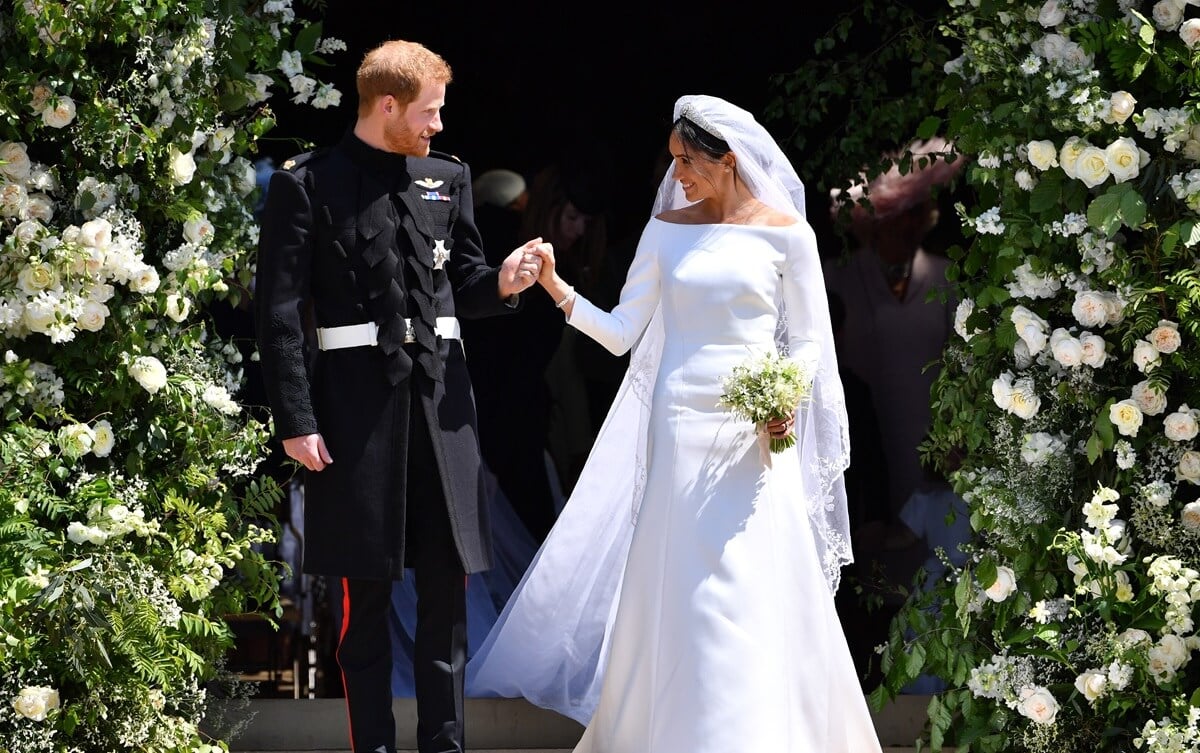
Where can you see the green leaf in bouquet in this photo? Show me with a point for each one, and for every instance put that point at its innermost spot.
(306, 39)
(1104, 213)
(1047, 194)
(1133, 208)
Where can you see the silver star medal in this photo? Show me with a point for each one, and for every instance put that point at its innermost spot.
(440, 254)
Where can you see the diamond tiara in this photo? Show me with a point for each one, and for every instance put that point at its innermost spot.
(689, 111)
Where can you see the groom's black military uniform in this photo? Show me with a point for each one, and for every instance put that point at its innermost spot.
(366, 259)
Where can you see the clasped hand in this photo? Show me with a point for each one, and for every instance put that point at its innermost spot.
(779, 428)
(521, 268)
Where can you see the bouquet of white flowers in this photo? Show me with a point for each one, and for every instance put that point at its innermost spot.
(765, 388)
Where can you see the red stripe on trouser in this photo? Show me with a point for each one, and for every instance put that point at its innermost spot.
(342, 637)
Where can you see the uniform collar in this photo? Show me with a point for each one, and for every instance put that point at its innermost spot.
(389, 166)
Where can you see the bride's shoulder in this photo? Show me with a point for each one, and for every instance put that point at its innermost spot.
(682, 216)
(775, 218)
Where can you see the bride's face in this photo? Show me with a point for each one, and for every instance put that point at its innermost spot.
(697, 173)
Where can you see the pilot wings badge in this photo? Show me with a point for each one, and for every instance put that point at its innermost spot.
(429, 183)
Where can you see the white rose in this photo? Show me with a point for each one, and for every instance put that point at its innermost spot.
(35, 278)
(1004, 586)
(1123, 159)
(1068, 156)
(59, 112)
(1042, 154)
(243, 176)
(1126, 416)
(1165, 337)
(41, 313)
(35, 703)
(961, 313)
(1120, 106)
(1150, 400)
(75, 440)
(1174, 650)
(103, 439)
(1167, 14)
(14, 160)
(1002, 388)
(1190, 32)
(182, 166)
(198, 230)
(92, 317)
(1050, 14)
(1025, 403)
(1181, 426)
(1090, 309)
(1094, 349)
(1092, 166)
(96, 233)
(39, 206)
(1114, 307)
(1092, 684)
(1145, 356)
(1066, 349)
(149, 372)
(14, 200)
(178, 306)
(1188, 467)
(143, 279)
(1190, 516)
(1038, 704)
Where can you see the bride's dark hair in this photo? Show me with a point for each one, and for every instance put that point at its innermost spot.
(695, 137)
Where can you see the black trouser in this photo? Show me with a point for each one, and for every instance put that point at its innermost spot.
(440, 652)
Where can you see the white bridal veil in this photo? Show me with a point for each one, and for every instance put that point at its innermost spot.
(550, 642)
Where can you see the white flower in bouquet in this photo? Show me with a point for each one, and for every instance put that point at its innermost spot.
(39, 206)
(92, 316)
(1189, 32)
(1092, 684)
(262, 87)
(1050, 14)
(1043, 155)
(1002, 389)
(182, 166)
(1126, 456)
(1123, 159)
(97, 233)
(178, 307)
(1090, 309)
(198, 230)
(1150, 400)
(1145, 356)
(1167, 14)
(81, 533)
(291, 64)
(1093, 349)
(1188, 467)
(149, 372)
(59, 112)
(1182, 425)
(1120, 107)
(14, 161)
(1037, 703)
(1091, 167)
(13, 200)
(35, 703)
(1039, 446)
(1189, 517)
(765, 388)
(1166, 657)
(1068, 155)
(1004, 586)
(103, 439)
(1065, 348)
(1024, 401)
(218, 397)
(75, 440)
(143, 279)
(35, 278)
(1165, 337)
(1126, 416)
(326, 96)
(963, 311)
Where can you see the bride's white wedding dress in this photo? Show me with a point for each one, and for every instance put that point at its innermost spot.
(709, 626)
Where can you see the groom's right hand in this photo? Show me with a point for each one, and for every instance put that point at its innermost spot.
(309, 451)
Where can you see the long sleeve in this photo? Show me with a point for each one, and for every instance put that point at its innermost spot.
(804, 298)
(619, 330)
(476, 285)
(281, 287)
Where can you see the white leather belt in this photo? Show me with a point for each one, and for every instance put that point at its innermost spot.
(357, 335)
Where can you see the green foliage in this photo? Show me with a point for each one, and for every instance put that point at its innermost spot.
(1070, 381)
(131, 518)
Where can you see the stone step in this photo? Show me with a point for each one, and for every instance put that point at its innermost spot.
(511, 725)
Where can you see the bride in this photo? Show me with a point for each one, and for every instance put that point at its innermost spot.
(683, 602)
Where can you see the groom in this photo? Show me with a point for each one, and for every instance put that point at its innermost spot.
(368, 253)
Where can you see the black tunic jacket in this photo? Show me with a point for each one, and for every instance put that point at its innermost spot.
(353, 234)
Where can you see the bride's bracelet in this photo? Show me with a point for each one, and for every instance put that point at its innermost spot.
(570, 296)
